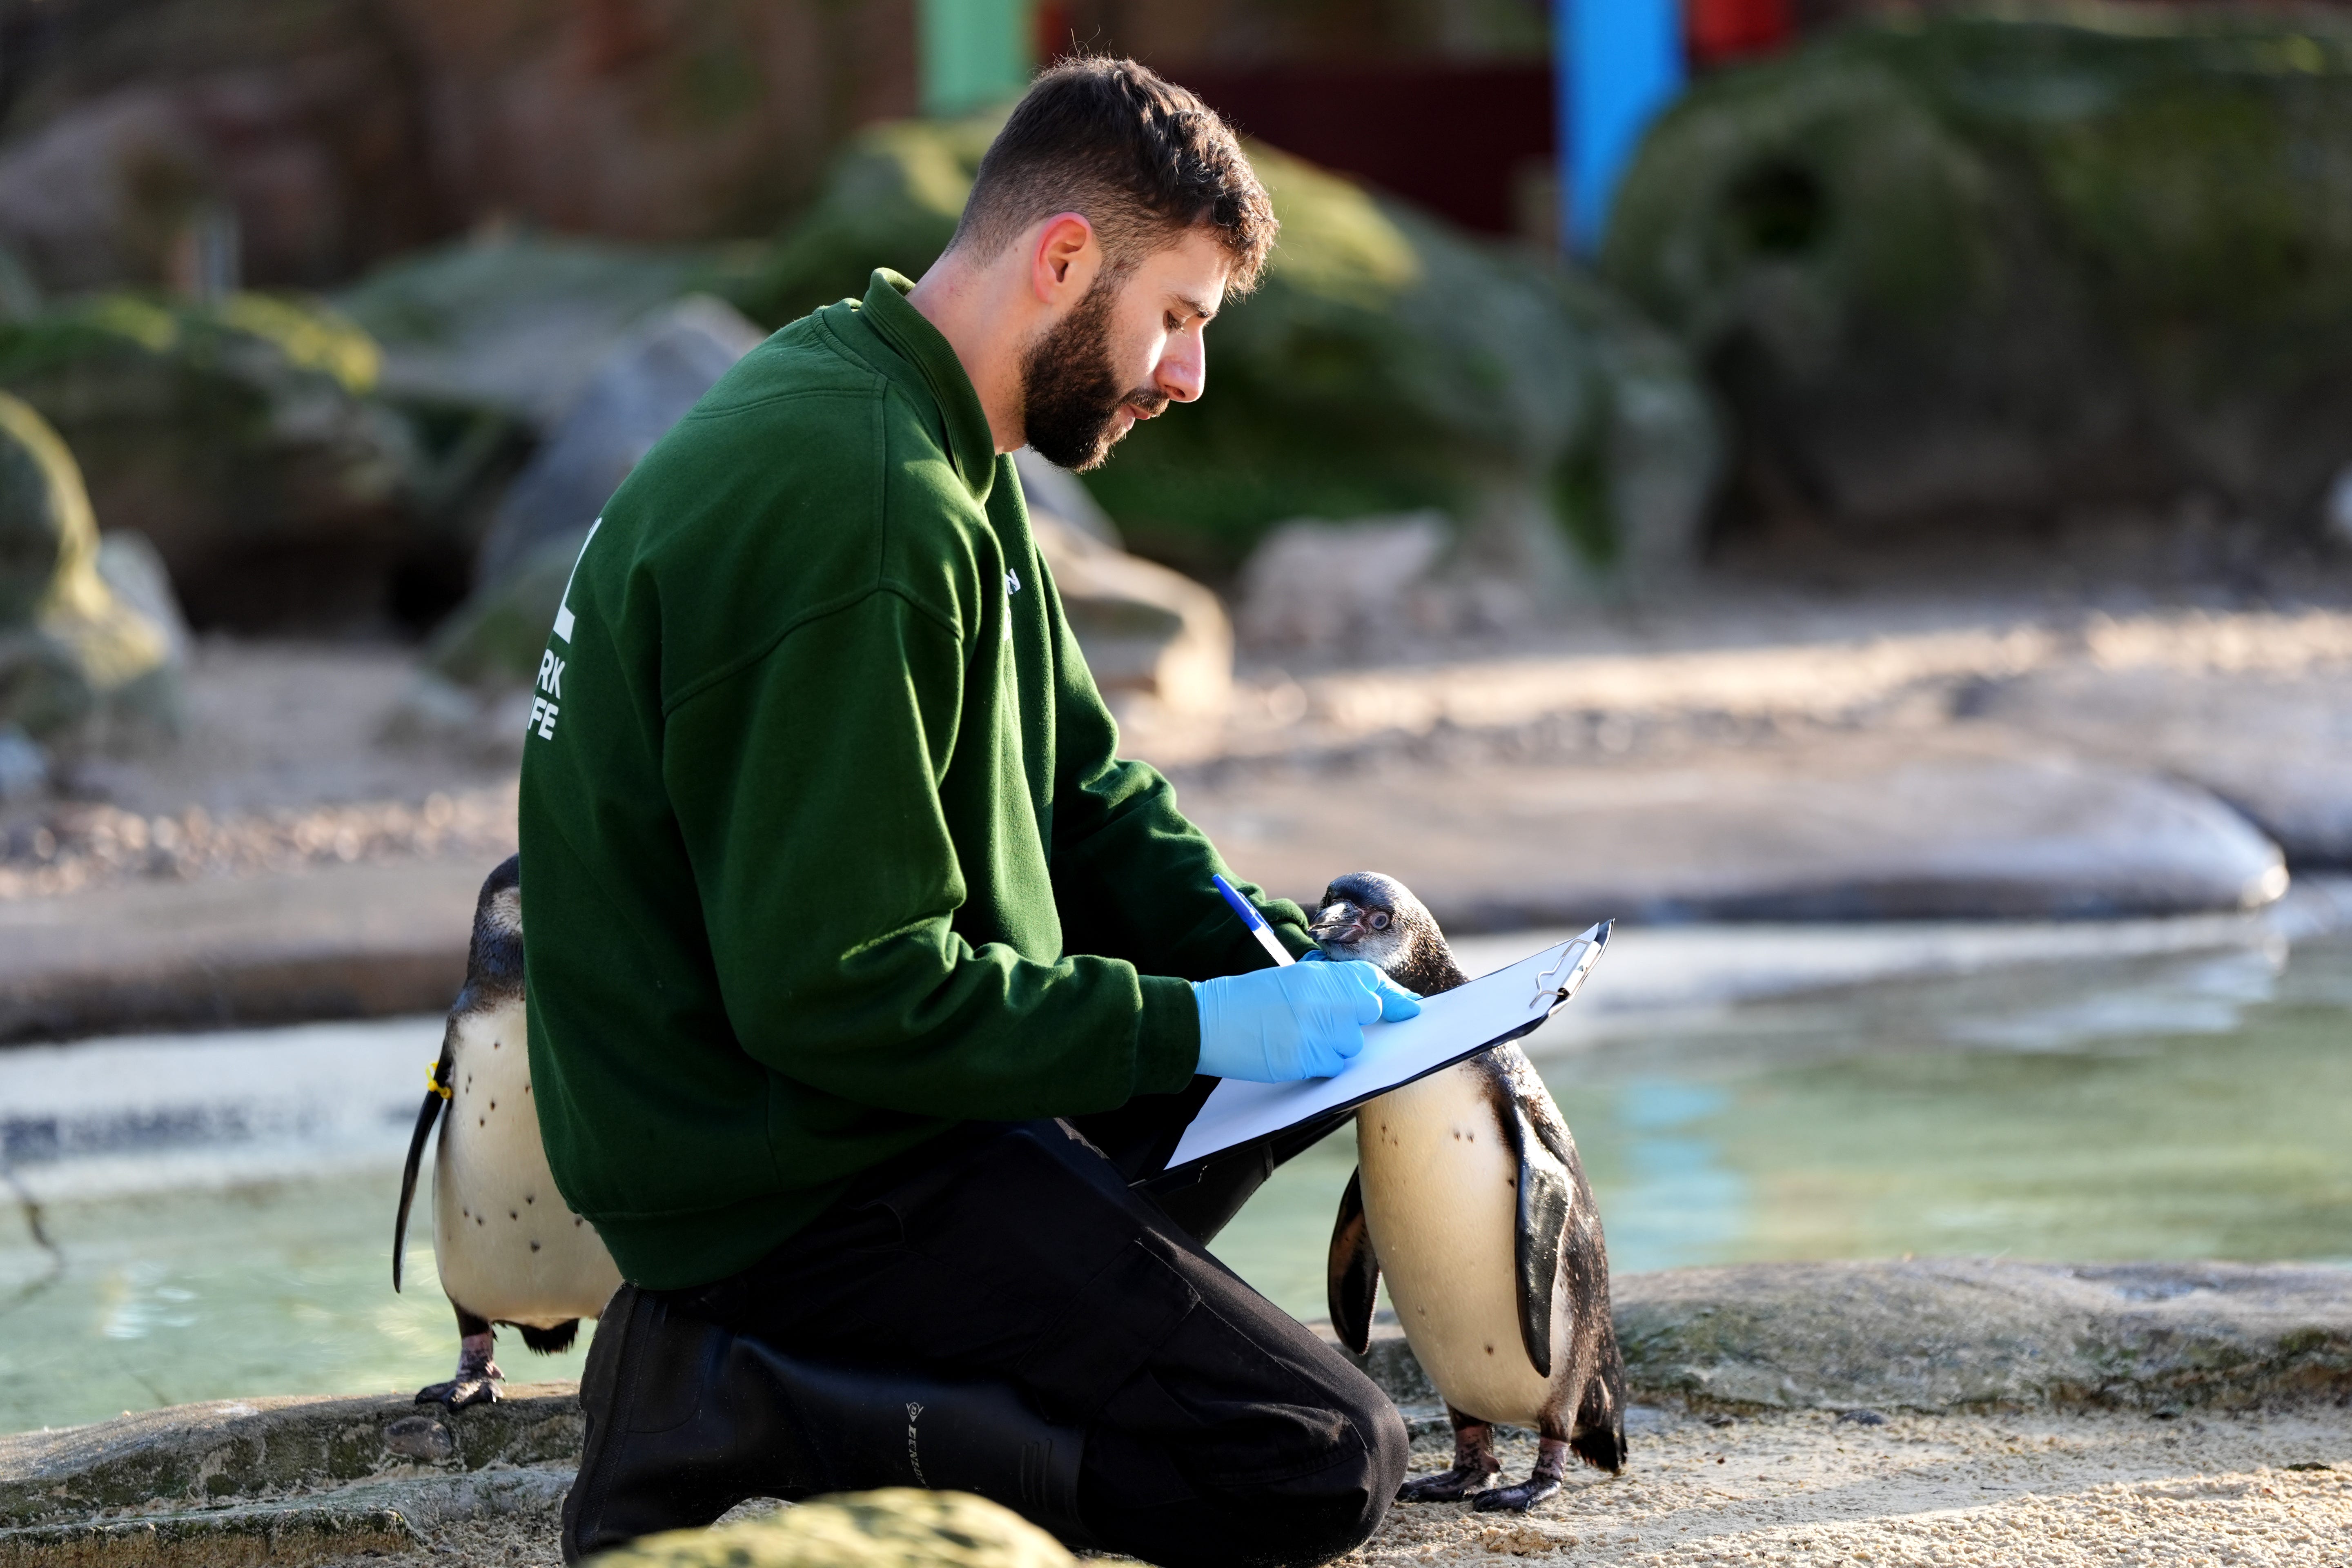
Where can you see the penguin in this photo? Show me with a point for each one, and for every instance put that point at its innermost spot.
(1468, 1194)
(508, 1249)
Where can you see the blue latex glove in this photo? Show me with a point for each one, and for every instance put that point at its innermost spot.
(1273, 1025)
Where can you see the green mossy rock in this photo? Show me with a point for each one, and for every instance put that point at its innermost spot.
(890, 199)
(78, 664)
(901, 1527)
(1953, 265)
(1387, 362)
(515, 326)
(239, 436)
(496, 636)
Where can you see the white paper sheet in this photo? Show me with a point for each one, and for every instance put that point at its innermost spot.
(1453, 1024)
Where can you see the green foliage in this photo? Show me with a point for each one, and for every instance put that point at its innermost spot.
(1955, 258)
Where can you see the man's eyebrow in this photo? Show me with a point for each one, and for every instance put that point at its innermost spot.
(1195, 307)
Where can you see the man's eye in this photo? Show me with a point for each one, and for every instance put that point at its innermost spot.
(1173, 325)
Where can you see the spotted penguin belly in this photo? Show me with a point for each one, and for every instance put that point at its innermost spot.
(1440, 1201)
(506, 1245)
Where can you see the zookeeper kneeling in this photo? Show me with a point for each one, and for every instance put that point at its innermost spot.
(867, 979)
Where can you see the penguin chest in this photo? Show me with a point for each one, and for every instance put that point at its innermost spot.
(506, 1245)
(1441, 1200)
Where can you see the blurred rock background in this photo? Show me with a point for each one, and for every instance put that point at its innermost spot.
(1969, 272)
(335, 321)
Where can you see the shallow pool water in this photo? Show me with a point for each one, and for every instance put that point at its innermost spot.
(2197, 1106)
(2186, 1106)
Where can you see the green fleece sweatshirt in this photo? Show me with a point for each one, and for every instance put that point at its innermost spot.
(826, 842)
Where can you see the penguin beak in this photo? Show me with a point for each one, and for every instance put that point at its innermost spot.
(1341, 922)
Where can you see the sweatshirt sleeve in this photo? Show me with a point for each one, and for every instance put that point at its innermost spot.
(1130, 873)
(806, 790)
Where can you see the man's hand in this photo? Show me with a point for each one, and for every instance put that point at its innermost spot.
(1274, 1025)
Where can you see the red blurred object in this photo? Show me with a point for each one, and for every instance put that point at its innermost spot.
(1052, 21)
(1452, 138)
(1725, 30)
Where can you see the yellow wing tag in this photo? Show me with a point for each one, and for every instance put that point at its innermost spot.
(433, 1083)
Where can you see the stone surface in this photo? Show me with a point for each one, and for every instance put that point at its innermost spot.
(899, 1527)
(492, 641)
(239, 437)
(361, 940)
(646, 379)
(83, 663)
(1387, 364)
(24, 766)
(315, 1531)
(1953, 1335)
(1145, 630)
(648, 123)
(1947, 1335)
(334, 136)
(1954, 265)
(255, 1450)
(1063, 496)
(2276, 744)
(643, 387)
(1816, 837)
(273, 115)
(1329, 586)
(1935, 1335)
(317, 1521)
(510, 325)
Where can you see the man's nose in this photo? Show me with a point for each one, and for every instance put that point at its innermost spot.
(1184, 369)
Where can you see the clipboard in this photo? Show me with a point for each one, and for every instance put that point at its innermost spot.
(1454, 1025)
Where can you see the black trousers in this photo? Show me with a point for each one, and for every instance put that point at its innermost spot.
(1219, 1431)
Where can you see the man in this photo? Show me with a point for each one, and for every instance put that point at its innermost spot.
(865, 979)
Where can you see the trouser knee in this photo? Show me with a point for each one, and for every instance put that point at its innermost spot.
(1310, 1513)
(1351, 1498)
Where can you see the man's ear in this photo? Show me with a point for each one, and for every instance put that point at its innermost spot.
(1063, 265)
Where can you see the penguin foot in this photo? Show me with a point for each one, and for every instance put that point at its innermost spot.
(460, 1391)
(478, 1378)
(1517, 1499)
(1451, 1486)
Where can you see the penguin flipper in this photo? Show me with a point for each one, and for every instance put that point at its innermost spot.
(427, 1115)
(1545, 1200)
(1352, 1280)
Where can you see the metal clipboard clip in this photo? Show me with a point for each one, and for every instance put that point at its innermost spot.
(1575, 962)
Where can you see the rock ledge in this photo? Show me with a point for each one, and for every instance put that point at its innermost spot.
(1948, 1335)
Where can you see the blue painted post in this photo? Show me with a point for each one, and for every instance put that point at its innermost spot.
(1616, 63)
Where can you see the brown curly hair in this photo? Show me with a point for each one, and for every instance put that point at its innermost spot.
(1140, 158)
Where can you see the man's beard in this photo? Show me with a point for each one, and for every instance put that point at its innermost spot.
(1070, 394)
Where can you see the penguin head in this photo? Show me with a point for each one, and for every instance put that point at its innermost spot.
(1367, 916)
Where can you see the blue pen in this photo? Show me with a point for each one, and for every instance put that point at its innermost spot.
(1254, 921)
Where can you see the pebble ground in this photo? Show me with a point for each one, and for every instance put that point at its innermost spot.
(2078, 1492)
(1810, 1488)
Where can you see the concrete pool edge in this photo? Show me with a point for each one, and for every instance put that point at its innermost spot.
(1925, 1336)
(1949, 1335)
